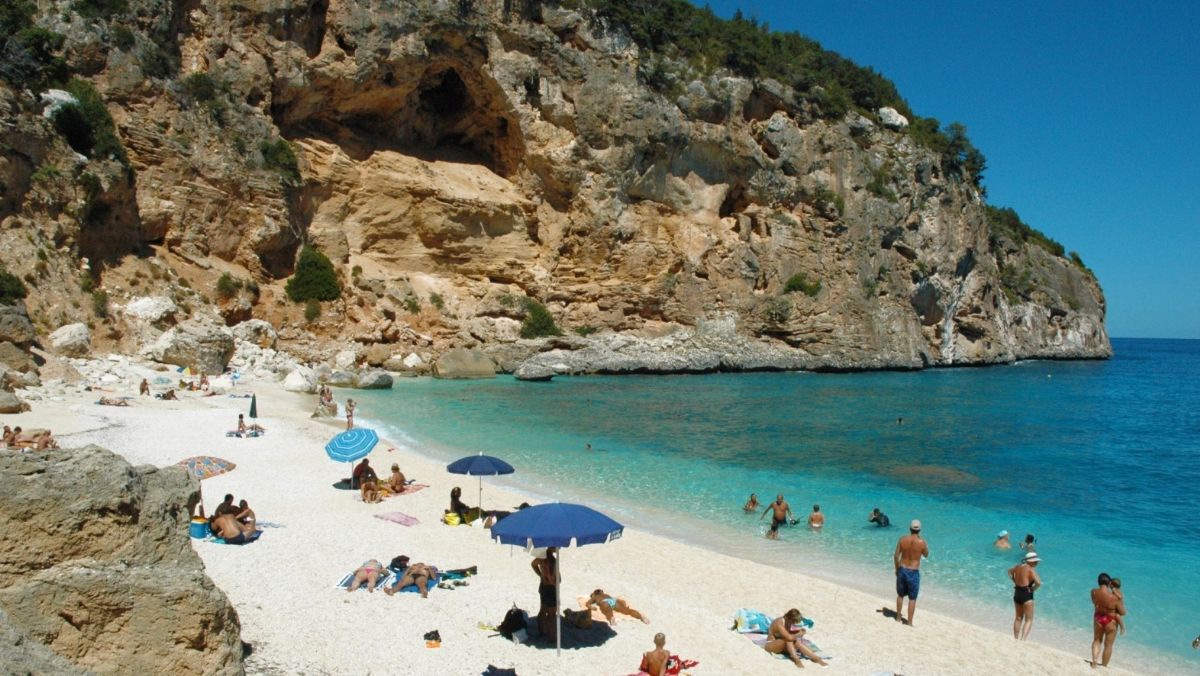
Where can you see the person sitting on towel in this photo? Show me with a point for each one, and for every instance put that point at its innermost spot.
(364, 472)
(243, 428)
(245, 516)
(783, 640)
(466, 513)
(655, 661)
(396, 481)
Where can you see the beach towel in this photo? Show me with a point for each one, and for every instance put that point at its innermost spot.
(384, 578)
(409, 489)
(675, 666)
(398, 517)
(245, 435)
(221, 541)
(748, 620)
(761, 641)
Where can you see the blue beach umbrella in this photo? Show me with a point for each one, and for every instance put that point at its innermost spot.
(480, 465)
(557, 524)
(352, 444)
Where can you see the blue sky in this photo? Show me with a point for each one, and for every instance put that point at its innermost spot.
(1087, 113)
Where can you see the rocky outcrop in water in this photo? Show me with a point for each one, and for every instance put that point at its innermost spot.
(454, 159)
(96, 566)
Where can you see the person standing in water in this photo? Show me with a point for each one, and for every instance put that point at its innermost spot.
(816, 520)
(752, 504)
(907, 564)
(782, 511)
(1025, 581)
(1027, 543)
(1107, 608)
(1002, 541)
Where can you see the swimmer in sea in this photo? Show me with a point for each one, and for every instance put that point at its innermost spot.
(1027, 543)
(752, 504)
(1002, 541)
(816, 520)
(879, 518)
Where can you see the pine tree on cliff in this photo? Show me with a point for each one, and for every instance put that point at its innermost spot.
(314, 279)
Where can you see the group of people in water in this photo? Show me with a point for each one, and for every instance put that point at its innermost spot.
(1107, 598)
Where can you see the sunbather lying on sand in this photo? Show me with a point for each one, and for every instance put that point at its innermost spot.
(607, 604)
(417, 574)
(110, 401)
(783, 640)
(369, 573)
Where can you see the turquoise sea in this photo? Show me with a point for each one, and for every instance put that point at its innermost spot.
(1100, 460)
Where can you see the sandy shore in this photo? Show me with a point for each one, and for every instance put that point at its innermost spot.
(297, 622)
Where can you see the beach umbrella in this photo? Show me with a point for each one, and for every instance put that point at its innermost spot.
(254, 406)
(205, 466)
(557, 524)
(480, 465)
(351, 445)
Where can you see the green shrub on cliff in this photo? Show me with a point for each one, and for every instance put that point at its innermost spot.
(28, 54)
(800, 282)
(87, 126)
(11, 288)
(538, 321)
(1004, 222)
(279, 157)
(314, 279)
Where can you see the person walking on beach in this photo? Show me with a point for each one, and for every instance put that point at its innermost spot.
(546, 568)
(782, 511)
(350, 406)
(1107, 607)
(907, 562)
(1025, 581)
(816, 520)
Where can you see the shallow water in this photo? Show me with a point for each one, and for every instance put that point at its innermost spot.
(1098, 459)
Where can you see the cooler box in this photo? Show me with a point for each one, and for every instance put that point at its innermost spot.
(198, 528)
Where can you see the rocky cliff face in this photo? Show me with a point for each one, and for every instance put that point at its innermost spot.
(95, 565)
(452, 160)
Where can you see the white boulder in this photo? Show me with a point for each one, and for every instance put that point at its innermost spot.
(256, 331)
(892, 119)
(302, 379)
(345, 359)
(72, 340)
(152, 309)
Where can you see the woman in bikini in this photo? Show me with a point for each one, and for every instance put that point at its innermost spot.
(1108, 608)
(369, 573)
(607, 604)
(417, 574)
(781, 640)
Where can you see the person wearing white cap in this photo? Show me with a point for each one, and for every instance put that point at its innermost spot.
(1025, 581)
(907, 562)
(1002, 541)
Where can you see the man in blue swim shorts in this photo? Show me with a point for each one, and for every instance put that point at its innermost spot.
(907, 561)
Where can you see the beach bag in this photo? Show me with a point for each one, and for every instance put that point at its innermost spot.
(452, 519)
(514, 621)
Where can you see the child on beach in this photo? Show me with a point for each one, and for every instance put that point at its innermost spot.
(1115, 586)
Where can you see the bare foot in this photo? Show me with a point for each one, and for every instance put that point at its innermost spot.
(389, 590)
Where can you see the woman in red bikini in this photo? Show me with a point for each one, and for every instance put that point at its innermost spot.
(1108, 608)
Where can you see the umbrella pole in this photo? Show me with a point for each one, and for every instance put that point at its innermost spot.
(479, 501)
(557, 605)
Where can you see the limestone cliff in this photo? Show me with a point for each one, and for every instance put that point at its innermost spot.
(453, 158)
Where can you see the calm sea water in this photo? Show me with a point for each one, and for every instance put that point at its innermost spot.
(1100, 460)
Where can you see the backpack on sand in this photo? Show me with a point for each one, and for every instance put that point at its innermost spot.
(514, 620)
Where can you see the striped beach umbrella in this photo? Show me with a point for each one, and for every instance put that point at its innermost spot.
(351, 445)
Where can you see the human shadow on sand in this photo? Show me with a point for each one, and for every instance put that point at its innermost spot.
(573, 637)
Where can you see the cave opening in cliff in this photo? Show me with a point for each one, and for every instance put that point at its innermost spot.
(735, 201)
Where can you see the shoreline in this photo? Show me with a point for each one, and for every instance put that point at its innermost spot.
(951, 603)
(299, 623)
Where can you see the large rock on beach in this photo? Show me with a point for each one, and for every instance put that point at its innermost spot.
(373, 379)
(106, 577)
(72, 340)
(20, 654)
(16, 358)
(192, 344)
(463, 363)
(152, 309)
(258, 332)
(301, 379)
(10, 403)
(15, 326)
